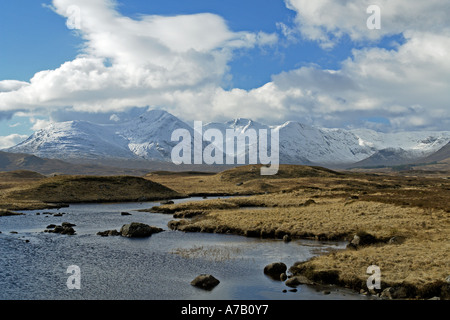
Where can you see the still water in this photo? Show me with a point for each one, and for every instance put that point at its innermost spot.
(160, 267)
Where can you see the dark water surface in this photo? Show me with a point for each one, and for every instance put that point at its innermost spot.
(159, 267)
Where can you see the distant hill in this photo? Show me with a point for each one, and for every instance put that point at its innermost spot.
(251, 172)
(75, 189)
(440, 155)
(21, 161)
(386, 158)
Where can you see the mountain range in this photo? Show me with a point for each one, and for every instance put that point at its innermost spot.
(148, 138)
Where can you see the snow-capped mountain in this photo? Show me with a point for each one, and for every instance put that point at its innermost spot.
(73, 140)
(148, 137)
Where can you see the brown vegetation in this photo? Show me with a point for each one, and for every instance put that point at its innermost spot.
(407, 218)
(53, 191)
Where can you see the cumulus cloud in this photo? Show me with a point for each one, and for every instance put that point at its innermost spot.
(180, 63)
(12, 85)
(11, 140)
(39, 124)
(133, 62)
(406, 87)
(327, 21)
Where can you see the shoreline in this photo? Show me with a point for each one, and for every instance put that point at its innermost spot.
(399, 224)
(389, 247)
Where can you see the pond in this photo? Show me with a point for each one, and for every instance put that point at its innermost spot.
(34, 263)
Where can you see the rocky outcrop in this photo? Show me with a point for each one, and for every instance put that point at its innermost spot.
(138, 230)
(205, 282)
(274, 270)
(65, 228)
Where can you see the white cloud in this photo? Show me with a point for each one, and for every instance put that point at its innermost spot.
(11, 85)
(11, 140)
(150, 57)
(408, 87)
(180, 63)
(328, 20)
(39, 124)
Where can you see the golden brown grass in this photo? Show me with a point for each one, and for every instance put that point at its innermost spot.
(421, 262)
(75, 189)
(303, 202)
(412, 208)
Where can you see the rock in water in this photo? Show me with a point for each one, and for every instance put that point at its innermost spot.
(275, 269)
(138, 230)
(205, 281)
(108, 233)
(298, 280)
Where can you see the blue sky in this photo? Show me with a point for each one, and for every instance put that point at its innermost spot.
(34, 38)
(273, 62)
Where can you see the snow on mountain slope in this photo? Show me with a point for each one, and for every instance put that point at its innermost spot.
(240, 127)
(321, 146)
(74, 140)
(148, 137)
(419, 143)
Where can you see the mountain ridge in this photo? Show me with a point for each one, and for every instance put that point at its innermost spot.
(148, 138)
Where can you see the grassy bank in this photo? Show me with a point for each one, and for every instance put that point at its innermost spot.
(54, 191)
(407, 218)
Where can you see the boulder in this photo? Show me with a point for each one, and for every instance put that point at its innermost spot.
(63, 229)
(166, 202)
(298, 280)
(309, 202)
(275, 269)
(108, 233)
(205, 282)
(356, 240)
(361, 239)
(68, 225)
(125, 214)
(138, 230)
(68, 230)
